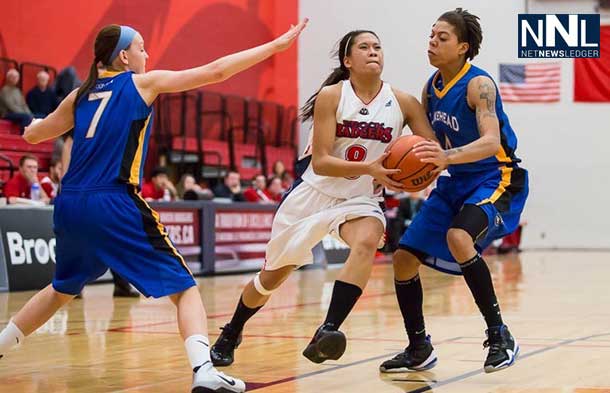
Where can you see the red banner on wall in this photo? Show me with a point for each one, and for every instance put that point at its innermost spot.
(183, 229)
(241, 238)
(592, 76)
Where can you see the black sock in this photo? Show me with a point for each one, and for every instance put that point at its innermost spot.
(410, 300)
(478, 278)
(345, 295)
(241, 315)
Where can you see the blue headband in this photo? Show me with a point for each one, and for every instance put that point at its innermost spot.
(127, 34)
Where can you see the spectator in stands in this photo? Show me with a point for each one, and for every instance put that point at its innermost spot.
(256, 192)
(287, 180)
(274, 189)
(66, 81)
(18, 189)
(189, 190)
(160, 188)
(278, 169)
(12, 103)
(50, 183)
(42, 99)
(231, 188)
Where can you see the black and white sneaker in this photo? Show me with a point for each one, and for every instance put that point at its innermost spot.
(210, 380)
(503, 349)
(417, 357)
(327, 343)
(222, 352)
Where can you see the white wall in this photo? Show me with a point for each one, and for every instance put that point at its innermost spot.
(563, 145)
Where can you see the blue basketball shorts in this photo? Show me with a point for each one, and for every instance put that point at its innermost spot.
(113, 227)
(500, 193)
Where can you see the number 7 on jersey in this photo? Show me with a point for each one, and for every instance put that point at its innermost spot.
(105, 97)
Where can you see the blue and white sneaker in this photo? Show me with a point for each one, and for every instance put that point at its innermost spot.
(503, 349)
(414, 358)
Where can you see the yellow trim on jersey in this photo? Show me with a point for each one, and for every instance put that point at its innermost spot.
(163, 233)
(504, 182)
(448, 86)
(134, 173)
(501, 156)
(109, 74)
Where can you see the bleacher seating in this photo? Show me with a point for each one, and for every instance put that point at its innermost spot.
(12, 145)
(233, 132)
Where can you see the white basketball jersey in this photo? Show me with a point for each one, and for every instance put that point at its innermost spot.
(362, 133)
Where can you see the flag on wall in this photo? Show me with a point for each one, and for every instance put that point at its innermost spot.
(592, 76)
(534, 82)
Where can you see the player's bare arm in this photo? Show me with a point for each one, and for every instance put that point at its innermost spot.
(57, 123)
(153, 83)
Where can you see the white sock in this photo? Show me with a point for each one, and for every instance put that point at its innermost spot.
(198, 351)
(10, 337)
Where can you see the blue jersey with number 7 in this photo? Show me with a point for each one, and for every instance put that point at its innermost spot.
(111, 130)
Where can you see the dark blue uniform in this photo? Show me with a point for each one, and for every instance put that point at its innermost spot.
(100, 220)
(496, 184)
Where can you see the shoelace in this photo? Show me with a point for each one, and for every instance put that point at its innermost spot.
(403, 354)
(493, 346)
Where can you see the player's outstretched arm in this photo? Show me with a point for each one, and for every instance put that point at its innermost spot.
(154, 83)
(55, 124)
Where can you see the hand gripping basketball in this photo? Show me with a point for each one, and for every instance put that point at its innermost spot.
(415, 174)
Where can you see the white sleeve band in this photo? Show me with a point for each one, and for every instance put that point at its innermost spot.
(259, 286)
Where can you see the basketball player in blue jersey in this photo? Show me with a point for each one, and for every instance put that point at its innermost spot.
(481, 200)
(100, 220)
(356, 116)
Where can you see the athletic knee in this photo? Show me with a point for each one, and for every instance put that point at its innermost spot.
(406, 265)
(470, 224)
(365, 247)
(458, 238)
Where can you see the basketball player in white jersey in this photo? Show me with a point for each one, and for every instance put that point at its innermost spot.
(357, 116)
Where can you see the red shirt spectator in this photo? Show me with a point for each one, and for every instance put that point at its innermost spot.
(149, 191)
(50, 184)
(159, 182)
(274, 189)
(18, 186)
(273, 197)
(257, 192)
(256, 195)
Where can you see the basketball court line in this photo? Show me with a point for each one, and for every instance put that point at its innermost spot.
(434, 384)
(469, 374)
(374, 339)
(255, 386)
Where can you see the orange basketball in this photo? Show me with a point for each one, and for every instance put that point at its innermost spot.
(415, 175)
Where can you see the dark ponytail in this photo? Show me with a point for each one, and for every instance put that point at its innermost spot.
(105, 42)
(467, 29)
(339, 73)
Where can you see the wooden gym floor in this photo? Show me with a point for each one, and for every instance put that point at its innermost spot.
(556, 304)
